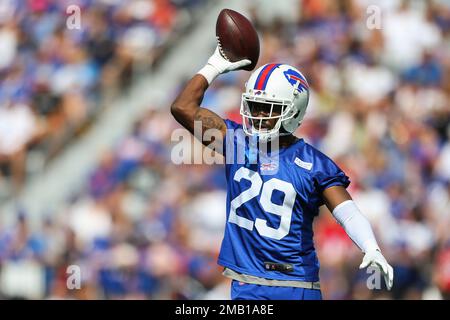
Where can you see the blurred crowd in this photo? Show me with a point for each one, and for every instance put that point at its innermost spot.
(145, 228)
(60, 66)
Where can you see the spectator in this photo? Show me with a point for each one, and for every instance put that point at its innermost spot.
(146, 228)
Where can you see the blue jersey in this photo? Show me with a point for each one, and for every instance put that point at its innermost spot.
(271, 206)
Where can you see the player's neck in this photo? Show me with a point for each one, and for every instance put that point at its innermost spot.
(286, 141)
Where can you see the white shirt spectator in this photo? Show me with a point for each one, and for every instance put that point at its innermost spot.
(443, 163)
(407, 34)
(417, 236)
(369, 83)
(286, 10)
(205, 216)
(89, 220)
(17, 127)
(339, 138)
(375, 205)
(8, 39)
(418, 104)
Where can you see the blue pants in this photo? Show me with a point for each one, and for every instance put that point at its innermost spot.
(247, 291)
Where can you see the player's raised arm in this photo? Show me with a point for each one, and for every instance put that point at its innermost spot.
(358, 228)
(186, 107)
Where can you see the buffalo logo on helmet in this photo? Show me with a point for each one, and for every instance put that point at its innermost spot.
(294, 77)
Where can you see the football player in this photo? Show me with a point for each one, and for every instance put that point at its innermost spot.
(268, 247)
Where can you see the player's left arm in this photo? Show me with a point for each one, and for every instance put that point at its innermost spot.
(358, 228)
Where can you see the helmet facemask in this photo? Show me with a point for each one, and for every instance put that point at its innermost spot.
(253, 125)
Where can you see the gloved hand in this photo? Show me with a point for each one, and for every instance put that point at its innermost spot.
(217, 64)
(375, 258)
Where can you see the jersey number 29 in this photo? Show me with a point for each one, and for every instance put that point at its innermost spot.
(284, 210)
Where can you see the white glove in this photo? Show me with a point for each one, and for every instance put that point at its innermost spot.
(217, 64)
(375, 258)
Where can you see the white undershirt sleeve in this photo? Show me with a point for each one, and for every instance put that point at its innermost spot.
(355, 225)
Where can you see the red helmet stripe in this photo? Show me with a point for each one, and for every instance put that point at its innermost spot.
(264, 75)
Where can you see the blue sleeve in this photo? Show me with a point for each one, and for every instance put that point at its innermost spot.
(327, 174)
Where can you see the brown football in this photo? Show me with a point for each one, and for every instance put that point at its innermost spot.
(237, 38)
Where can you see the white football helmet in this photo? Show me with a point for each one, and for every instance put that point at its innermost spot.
(279, 87)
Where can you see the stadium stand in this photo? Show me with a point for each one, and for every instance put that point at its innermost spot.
(142, 227)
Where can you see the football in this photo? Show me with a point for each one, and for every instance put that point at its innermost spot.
(237, 38)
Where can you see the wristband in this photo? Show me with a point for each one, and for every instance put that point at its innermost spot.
(209, 72)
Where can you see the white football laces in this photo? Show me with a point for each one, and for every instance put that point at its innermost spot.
(221, 50)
